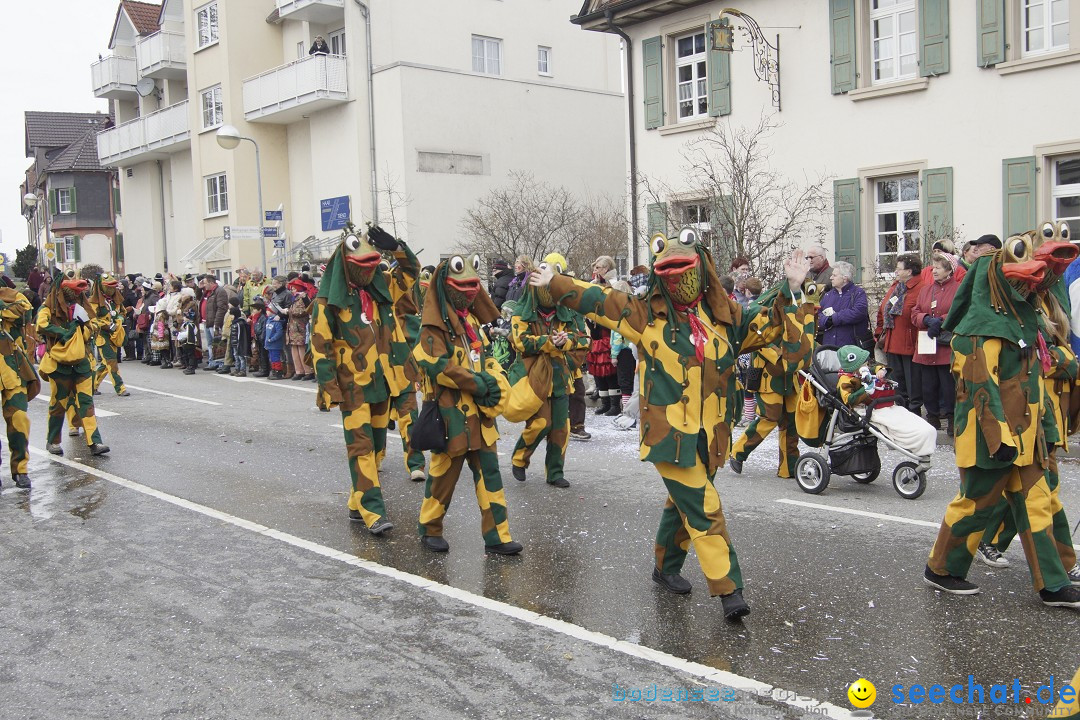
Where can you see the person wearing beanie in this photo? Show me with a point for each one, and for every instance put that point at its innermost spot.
(500, 283)
(239, 339)
(257, 324)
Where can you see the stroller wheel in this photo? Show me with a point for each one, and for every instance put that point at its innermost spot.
(867, 477)
(908, 481)
(812, 473)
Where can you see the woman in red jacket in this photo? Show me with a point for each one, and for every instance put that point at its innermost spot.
(935, 299)
(897, 334)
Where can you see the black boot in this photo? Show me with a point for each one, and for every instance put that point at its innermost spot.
(605, 405)
(934, 420)
(616, 406)
(949, 426)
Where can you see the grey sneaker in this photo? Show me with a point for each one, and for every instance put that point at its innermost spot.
(1074, 574)
(989, 555)
(54, 448)
(580, 435)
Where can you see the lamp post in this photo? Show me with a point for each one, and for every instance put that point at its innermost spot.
(229, 138)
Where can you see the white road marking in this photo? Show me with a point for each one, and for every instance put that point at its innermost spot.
(710, 674)
(863, 513)
(98, 412)
(287, 384)
(168, 394)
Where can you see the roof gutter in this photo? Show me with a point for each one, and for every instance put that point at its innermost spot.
(370, 71)
(609, 15)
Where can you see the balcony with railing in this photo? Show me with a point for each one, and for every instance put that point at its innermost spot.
(114, 77)
(319, 12)
(150, 137)
(287, 93)
(162, 55)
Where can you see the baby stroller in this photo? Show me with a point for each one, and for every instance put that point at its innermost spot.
(850, 439)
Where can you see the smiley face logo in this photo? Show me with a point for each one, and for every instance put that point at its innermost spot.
(862, 693)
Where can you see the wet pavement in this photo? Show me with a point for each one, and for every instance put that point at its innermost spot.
(123, 584)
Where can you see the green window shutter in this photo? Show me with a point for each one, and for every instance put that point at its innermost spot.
(116, 200)
(937, 212)
(120, 247)
(78, 248)
(723, 227)
(842, 38)
(719, 75)
(52, 202)
(933, 37)
(71, 194)
(990, 24)
(847, 202)
(1018, 188)
(652, 51)
(657, 213)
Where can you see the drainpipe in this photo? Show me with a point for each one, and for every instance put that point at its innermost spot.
(609, 15)
(366, 12)
(161, 195)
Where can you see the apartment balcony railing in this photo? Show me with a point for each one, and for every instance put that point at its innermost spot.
(319, 12)
(150, 137)
(162, 55)
(287, 93)
(114, 77)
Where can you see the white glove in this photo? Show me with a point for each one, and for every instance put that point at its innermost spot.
(79, 313)
(828, 312)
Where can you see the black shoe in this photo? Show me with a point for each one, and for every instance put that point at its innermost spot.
(22, 481)
(223, 370)
(580, 435)
(559, 483)
(380, 526)
(518, 472)
(355, 516)
(949, 583)
(506, 548)
(297, 376)
(98, 449)
(734, 605)
(949, 427)
(189, 371)
(934, 420)
(124, 393)
(1067, 596)
(97, 392)
(616, 408)
(672, 583)
(735, 465)
(261, 374)
(434, 543)
(54, 448)
(210, 368)
(605, 405)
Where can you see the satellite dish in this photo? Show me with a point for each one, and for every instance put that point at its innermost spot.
(146, 86)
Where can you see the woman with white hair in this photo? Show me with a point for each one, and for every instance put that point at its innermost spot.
(844, 317)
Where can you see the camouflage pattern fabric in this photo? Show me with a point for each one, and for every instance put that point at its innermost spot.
(18, 381)
(18, 428)
(551, 422)
(365, 441)
(107, 365)
(72, 390)
(772, 410)
(403, 413)
(487, 482)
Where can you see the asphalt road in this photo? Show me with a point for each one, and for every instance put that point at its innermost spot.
(143, 589)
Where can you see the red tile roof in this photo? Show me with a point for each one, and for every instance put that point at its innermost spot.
(144, 16)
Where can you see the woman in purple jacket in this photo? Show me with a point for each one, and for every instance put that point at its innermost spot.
(844, 316)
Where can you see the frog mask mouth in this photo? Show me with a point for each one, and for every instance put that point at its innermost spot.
(73, 287)
(1019, 266)
(462, 284)
(678, 265)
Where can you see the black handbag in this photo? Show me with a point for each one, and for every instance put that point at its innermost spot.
(429, 430)
(753, 379)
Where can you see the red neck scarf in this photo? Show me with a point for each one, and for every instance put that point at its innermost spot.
(474, 339)
(367, 305)
(697, 329)
(1044, 354)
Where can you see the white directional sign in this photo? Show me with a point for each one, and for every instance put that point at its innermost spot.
(242, 232)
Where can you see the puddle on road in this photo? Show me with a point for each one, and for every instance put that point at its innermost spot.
(55, 492)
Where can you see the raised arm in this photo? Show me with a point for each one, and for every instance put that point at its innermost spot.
(610, 308)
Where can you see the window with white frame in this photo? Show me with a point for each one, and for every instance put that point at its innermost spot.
(691, 78)
(337, 42)
(69, 249)
(896, 219)
(894, 34)
(63, 201)
(698, 215)
(543, 60)
(1044, 26)
(206, 19)
(217, 195)
(1065, 191)
(486, 55)
(212, 110)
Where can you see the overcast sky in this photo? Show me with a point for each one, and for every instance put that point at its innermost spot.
(47, 50)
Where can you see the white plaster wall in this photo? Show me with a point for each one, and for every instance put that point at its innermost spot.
(181, 223)
(141, 205)
(96, 248)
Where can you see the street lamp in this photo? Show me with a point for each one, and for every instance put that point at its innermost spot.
(31, 201)
(229, 138)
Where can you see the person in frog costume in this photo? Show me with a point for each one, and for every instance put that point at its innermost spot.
(471, 390)
(18, 381)
(999, 354)
(689, 332)
(1052, 243)
(67, 328)
(546, 337)
(107, 301)
(352, 326)
(402, 376)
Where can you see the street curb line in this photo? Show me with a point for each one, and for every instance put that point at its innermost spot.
(861, 513)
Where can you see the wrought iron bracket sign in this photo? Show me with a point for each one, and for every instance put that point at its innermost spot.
(766, 54)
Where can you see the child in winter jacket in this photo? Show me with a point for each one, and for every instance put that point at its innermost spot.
(187, 340)
(239, 342)
(274, 339)
(257, 323)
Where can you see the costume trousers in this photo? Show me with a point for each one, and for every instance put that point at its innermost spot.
(693, 516)
(772, 410)
(551, 421)
(487, 482)
(365, 439)
(75, 392)
(108, 365)
(1002, 528)
(577, 406)
(403, 413)
(18, 428)
(967, 517)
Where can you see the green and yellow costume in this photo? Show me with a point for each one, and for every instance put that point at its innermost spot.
(404, 293)
(471, 390)
(107, 302)
(689, 333)
(352, 326)
(549, 372)
(18, 382)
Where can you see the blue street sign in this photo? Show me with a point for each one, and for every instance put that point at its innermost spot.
(335, 212)
(279, 242)
(273, 215)
(270, 232)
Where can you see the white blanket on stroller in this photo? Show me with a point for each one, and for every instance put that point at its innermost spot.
(906, 429)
